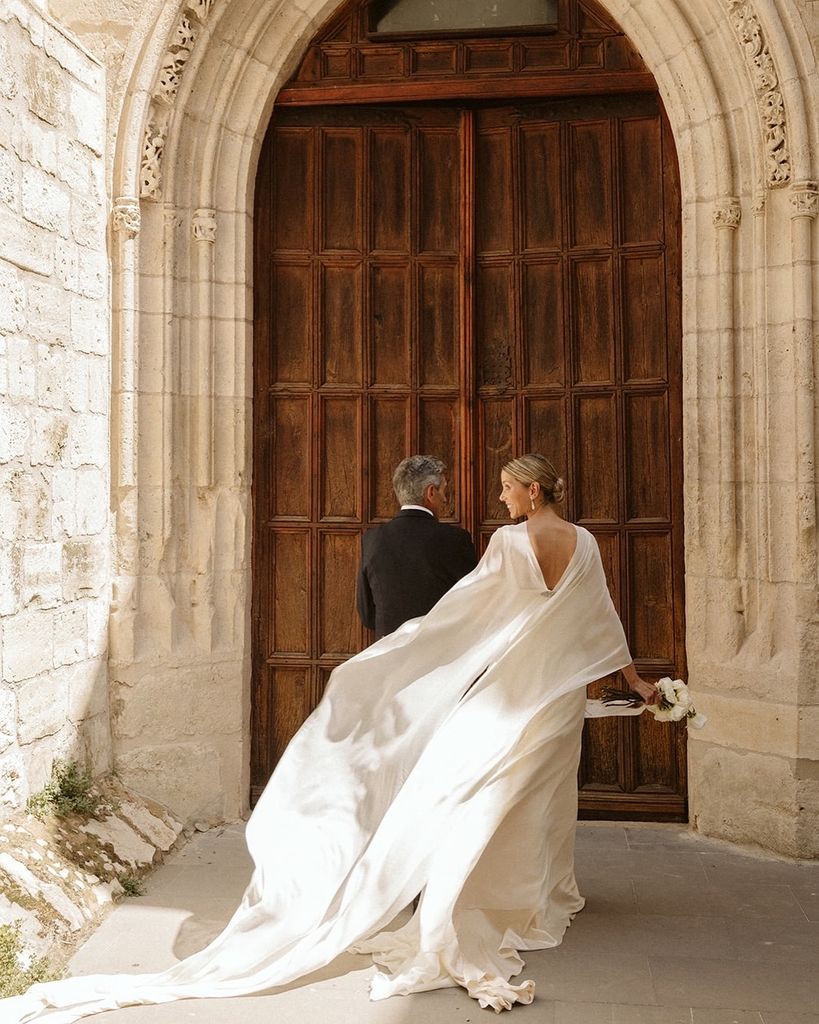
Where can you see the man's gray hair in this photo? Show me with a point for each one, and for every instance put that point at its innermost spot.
(412, 477)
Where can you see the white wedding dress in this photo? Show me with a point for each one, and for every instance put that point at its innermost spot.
(441, 760)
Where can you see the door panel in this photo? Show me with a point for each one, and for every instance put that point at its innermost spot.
(474, 282)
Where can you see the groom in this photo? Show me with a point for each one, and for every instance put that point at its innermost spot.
(409, 563)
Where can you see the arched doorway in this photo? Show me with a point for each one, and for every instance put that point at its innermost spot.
(467, 242)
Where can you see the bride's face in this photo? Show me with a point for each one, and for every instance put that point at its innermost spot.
(515, 496)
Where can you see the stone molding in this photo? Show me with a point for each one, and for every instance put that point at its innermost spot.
(203, 225)
(769, 98)
(125, 216)
(191, 19)
(805, 199)
(727, 212)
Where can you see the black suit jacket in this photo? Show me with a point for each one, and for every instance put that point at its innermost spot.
(407, 565)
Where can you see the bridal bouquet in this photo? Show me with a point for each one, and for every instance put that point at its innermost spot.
(674, 704)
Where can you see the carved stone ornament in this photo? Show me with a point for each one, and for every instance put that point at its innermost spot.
(125, 216)
(151, 174)
(204, 225)
(727, 212)
(193, 15)
(760, 198)
(805, 199)
(769, 98)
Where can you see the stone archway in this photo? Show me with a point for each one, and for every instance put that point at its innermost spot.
(733, 77)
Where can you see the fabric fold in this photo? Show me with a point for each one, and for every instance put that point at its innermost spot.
(442, 759)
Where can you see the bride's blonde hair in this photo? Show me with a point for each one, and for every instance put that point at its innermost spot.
(536, 469)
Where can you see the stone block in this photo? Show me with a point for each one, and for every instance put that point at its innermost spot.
(99, 385)
(42, 574)
(87, 690)
(63, 496)
(196, 702)
(27, 649)
(13, 787)
(49, 441)
(11, 577)
(48, 313)
(24, 505)
(21, 364)
(89, 442)
(85, 567)
(26, 245)
(46, 90)
(46, 201)
(92, 274)
(9, 179)
(98, 614)
(8, 718)
(13, 432)
(76, 382)
(87, 111)
(130, 847)
(78, 64)
(744, 797)
(89, 327)
(87, 222)
(9, 70)
(42, 707)
(70, 634)
(51, 381)
(75, 165)
(67, 264)
(35, 144)
(185, 777)
(92, 501)
(94, 735)
(12, 300)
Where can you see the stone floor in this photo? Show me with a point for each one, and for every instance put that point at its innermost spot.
(677, 930)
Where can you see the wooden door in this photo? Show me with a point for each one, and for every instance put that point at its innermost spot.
(474, 282)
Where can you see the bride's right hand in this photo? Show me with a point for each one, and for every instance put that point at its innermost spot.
(646, 690)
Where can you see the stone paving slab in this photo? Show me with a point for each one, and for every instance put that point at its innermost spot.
(677, 930)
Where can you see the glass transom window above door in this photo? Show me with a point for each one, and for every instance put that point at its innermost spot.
(432, 16)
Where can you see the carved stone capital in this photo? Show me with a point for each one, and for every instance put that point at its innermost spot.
(760, 199)
(805, 199)
(204, 225)
(125, 216)
(727, 212)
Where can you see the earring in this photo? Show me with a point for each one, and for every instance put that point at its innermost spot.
(532, 500)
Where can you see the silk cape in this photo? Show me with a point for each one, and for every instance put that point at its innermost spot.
(441, 759)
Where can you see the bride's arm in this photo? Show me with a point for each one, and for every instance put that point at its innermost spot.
(646, 690)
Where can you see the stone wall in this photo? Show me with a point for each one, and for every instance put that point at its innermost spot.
(54, 404)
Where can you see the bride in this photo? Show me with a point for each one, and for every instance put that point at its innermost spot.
(441, 760)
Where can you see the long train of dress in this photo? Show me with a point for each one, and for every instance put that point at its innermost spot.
(441, 759)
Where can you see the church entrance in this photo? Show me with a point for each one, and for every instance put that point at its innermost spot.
(471, 266)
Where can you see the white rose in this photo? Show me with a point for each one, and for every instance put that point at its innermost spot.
(666, 688)
(697, 721)
(660, 714)
(678, 712)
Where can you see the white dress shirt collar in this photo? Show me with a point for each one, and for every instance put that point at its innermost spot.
(421, 508)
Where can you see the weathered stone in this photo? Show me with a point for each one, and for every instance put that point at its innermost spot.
(11, 575)
(9, 179)
(21, 367)
(85, 567)
(46, 201)
(25, 245)
(48, 317)
(89, 331)
(88, 440)
(8, 718)
(12, 299)
(42, 574)
(13, 432)
(130, 848)
(50, 439)
(13, 788)
(87, 690)
(42, 703)
(185, 774)
(91, 501)
(49, 891)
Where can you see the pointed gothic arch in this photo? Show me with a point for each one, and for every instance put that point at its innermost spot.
(736, 80)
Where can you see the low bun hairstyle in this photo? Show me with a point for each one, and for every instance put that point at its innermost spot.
(536, 469)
